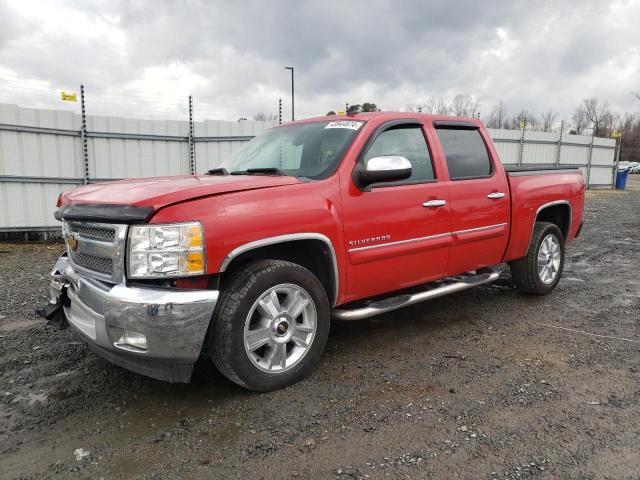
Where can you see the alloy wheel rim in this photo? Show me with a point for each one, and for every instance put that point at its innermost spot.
(280, 328)
(549, 255)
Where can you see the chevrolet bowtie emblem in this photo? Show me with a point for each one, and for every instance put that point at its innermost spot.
(73, 242)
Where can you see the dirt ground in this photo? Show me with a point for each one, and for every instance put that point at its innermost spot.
(483, 384)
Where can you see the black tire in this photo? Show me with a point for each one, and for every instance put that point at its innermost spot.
(244, 288)
(524, 271)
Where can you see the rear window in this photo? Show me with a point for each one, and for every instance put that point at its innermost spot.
(465, 153)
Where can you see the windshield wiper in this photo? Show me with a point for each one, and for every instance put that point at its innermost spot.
(260, 171)
(218, 171)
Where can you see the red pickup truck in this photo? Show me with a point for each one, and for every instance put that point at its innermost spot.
(341, 217)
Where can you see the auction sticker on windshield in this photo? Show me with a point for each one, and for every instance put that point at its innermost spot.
(345, 124)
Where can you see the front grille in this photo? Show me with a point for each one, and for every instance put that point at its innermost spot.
(97, 249)
(102, 234)
(93, 262)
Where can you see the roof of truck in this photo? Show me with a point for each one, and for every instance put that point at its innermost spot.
(364, 116)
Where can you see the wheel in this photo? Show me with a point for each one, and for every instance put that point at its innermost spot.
(270, 325)
(540, 270)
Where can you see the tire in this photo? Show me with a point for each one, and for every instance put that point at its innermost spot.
(245, 318)
(526, 271)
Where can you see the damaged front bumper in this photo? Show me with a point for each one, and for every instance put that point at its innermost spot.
(156, 332)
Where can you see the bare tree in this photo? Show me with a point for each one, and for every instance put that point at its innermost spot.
(580, 121)
(420, 107)
(498, 116)
(433, 105)
(524, 118)
(437, 105)
(548, 120)
(597, 114)
(464, 105)
(624, 122)
(265, 117)
(441, 106)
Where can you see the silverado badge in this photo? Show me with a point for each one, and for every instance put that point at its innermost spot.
(366, 241)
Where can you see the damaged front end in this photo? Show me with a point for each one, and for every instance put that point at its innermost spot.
(150, 330)
(53, 312)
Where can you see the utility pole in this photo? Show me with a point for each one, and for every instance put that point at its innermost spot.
(293, 117)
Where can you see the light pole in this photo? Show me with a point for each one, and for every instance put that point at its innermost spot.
(292, 100)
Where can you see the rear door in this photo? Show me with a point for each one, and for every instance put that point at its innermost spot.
(395, 237)
(479, 196)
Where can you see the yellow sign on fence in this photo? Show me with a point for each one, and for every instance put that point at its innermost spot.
(68, 97)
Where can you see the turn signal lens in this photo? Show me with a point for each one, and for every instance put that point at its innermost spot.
(167, 250)
(195, 262)
(194, 236)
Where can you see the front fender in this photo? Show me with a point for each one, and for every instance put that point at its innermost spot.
(236, 222)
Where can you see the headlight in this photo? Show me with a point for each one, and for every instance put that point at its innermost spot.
(170, 250)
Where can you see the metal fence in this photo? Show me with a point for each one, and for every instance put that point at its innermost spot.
(43, 152)
(595, 156)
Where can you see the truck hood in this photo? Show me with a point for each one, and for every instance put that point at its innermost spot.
(158, 192)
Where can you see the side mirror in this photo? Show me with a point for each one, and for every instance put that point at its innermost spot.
(390, 168)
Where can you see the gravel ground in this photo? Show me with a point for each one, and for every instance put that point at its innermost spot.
(483, 384)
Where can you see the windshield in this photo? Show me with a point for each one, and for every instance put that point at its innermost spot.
(310, 150)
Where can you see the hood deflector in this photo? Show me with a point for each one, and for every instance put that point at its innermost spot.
(105, 213)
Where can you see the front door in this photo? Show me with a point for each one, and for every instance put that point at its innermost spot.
(397, 234)
(479, 195)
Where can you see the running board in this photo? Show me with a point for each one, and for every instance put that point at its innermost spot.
(377, 307)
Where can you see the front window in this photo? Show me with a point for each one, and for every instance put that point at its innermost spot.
(406, 141)
(311, 150)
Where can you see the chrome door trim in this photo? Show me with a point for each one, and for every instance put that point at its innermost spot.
(263, 242)
(457, 232)
(399, 242)
(542, 207)
(430, 237)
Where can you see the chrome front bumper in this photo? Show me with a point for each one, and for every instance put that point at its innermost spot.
(174, 322)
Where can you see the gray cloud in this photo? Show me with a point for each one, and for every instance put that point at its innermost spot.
(231, 55)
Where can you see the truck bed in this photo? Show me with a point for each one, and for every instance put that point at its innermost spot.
(535, 187)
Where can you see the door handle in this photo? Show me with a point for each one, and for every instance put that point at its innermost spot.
(434, 203)
(495, 195)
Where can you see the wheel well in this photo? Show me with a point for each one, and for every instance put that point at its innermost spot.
(559, 214)
(314, 255)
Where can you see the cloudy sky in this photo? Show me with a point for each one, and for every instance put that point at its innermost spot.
(144, 57)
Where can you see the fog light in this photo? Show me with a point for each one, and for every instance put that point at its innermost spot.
(132, 339)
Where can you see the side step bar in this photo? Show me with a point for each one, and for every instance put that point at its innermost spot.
(378, 307)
